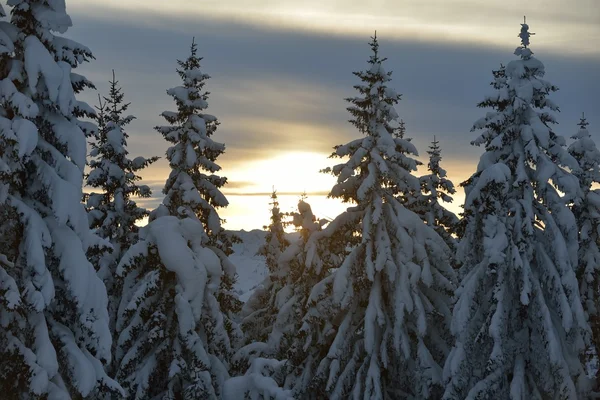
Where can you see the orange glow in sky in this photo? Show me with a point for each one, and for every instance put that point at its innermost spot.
(279, 126)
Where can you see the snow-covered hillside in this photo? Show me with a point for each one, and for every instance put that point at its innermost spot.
(251, 268)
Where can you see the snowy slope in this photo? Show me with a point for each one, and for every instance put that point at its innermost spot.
(251, 268)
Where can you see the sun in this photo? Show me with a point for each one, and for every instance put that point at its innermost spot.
(293, 172)
(290, 174)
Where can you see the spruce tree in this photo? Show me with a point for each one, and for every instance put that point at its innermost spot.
(376, 326)
(518, 321)
(113, 212)
(587, 214)
(175, 332)
(498, 101)
(192, 180)
(436, 187)
(286, 286)
(275, 240)
(257, 315)
(54, 334)
(271, 314)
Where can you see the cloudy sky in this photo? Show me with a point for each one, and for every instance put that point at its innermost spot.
(281, 69)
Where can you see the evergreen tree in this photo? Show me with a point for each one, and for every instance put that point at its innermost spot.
(518, 321)
(175, 331)
(271, 315)
(193, 181)
(436, 187)
(112, 212)
(498, 101)
(275, 240)
(587, 214)
(54, 331)
(257, 312)
(377, 326)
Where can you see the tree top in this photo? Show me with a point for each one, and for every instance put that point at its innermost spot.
(583, 122)
(525, 34)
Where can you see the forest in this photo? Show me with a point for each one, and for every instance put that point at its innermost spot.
(394, 298)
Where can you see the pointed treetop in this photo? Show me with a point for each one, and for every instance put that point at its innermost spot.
(435, 144)
(400, 130)
(192, 62)
(115, 104)
(435, 156)
(374, 59)
(434, 149)
(303, 196)
(194, 46)
(525, 34)
(583, 122)
(523, 50)
(274, 202)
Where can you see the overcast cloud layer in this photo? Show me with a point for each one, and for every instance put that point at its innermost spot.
(280, 87)
(479, 21)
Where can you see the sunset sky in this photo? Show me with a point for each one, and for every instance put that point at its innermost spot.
(281, 69)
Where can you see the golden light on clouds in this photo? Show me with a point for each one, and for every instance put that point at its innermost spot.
(481, 21)
(276, 134)
(295, 172)
(291, 172)
(251, 183)
(281, 117)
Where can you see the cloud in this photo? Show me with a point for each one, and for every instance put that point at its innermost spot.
(466, 21)
(280, 91)
(238, 184)
(278, 134)
(276, 92)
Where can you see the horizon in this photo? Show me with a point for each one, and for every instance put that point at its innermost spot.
(278, 81)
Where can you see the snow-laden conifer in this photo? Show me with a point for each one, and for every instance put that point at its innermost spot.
(587, 214)
(518, 321)
(436, 188)
(174, 332)
(272, 314)
(377, 327)
(193, 187)
(112, 211)
(275, 240)
(54, 332)
(258, 312)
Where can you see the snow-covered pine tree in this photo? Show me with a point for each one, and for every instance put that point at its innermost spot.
(587, 214)
(257, 312)
(518, 321)
(498, 101)
(435, 188)
(113, 212)
(272, 314)
(193, 169)
(54, 334)
(175, 330)
(275, 240)
(378, 326)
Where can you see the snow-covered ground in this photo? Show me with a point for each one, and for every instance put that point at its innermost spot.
(251, 268)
